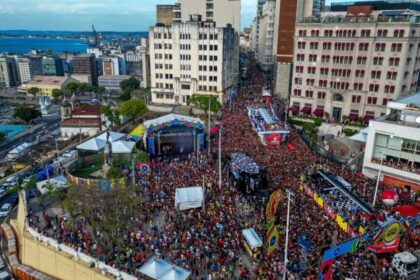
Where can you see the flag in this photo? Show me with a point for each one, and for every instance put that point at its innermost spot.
(271, 241)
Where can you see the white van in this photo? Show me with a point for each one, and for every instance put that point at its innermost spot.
(406, 264)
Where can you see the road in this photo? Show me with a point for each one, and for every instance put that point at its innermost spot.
(45, 126)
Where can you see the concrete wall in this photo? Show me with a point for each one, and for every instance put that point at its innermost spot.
(282, 74)
(161, 109)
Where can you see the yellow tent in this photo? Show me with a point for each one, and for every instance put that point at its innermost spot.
(138, 131)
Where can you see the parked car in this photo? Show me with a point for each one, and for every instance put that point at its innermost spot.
(5, 210)
(4, 275)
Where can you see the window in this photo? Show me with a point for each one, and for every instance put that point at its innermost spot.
(326, 46)
(328, 33)
(311, 70)
(399, 33)
(300, 57)
(394, 61)
(380, 47)
(298, 81)
(391, 75)
(310, 82)
(309, 93)
(389, 89)
(313, 45)
(374, 87)
(361, 60)
(360, 73)
(365, 33)
(356, 98)
(302, 33)
(322, 83)
(301, 45)
(321, 95)
(378, 60)
(297, 92)
(375, 75)
(382, 33)
(314, 33)
(299, 69)
(358, 86)
(184, 86)
(324, 71)
(386, 100)
(325, 59)
(372, 100)
(363, 46)
(312, 57)
(396, 47)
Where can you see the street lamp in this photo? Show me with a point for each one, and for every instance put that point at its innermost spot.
(289, 194)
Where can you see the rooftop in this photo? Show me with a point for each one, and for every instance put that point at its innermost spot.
(81, 122)
(409, 100)
(359, 19)
(87, 110)
(48, 80)
(116, 77)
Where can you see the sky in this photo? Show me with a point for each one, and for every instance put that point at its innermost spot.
(78, 15)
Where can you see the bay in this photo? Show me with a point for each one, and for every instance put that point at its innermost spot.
(58, 45)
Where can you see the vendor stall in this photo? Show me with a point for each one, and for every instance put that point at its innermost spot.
(252, 242)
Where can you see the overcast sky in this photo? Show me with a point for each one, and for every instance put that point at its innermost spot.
(78, 15)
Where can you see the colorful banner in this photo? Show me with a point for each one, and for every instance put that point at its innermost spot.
(341, 223)
(143, 167)
(151, 145)
(387, 239)
(325, 271)
(330, 212)
(341, 249)
(272, 204)
(271, 240)
(273, 139)
(200, 141)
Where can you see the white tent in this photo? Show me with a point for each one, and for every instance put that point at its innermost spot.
(122, 147)
(187, 198)
(57, 182)
(113, 136)
(361, 136)
(162, 270)
(18, 151)
(252, 238)
(94, 144)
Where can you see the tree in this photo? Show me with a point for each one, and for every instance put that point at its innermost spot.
(33, 91)
(30, 184)
(26, 113)
(72, 87)
(202, 102)
(131, 84)
(56, 93)
(141, 156)
(114, 173)
(132, 108)
(126, 95)
(111, 114)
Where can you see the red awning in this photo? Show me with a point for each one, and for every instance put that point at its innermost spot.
(294, 109)
(319, 112)
(409, 210)
(353, 117)
(306, 110)
(367, 118)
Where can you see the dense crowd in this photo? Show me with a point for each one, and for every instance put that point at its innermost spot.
(208, 241)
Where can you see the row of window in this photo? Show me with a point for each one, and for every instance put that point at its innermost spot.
(204, 78)
(204, 47)
(160, 76)
(162, 46)
(379, 47)
(354, 99)
(164, 35)
(203, 36)
(164, 85)
(353, 33)
(360, 60)
(161, 66)
(161, 56)
(204, 88)
(204, 57)
(204, 68)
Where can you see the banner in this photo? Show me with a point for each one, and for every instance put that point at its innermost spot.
(325, 271)
(272, 204)
(273, 139)
(271, 240)
(200, 141)
(143, 167)
(330, 212)
(387, 239)
(341, 223)
(341, 249)
(151, 145)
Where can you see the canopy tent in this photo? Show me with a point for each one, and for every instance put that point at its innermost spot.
(252, 238)
(113, 136)
(138, 131)
(187, 198)
(162, 270)
(172, 119)
(56, 182)
(360, 137)
(122, 147)
(94, 144)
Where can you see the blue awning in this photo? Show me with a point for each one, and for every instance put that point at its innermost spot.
(392, 13)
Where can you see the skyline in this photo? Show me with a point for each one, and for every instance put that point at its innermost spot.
(79, 15)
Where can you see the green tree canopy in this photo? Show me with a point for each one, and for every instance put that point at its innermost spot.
(202, 102)
(56, 93)
(72, 87)
(111, 114)
(132, 108)
(126, 95)
(33, 91)
(131, 84)
(114, 173)
(26, 113)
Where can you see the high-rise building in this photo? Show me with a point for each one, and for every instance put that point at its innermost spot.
(266, 34)
(35, 65)
(355, 59)
(194, 57)
(24, 69)
(52, 66)
(85, 64)
(9, 76)
(222, 12)
(145, 61)
(113, 65)
(164, 14)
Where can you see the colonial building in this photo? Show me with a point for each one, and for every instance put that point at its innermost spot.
(355, 59)
(79, 119)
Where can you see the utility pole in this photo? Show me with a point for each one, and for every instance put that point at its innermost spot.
(220, 157)
(377, 183)
(204, 196)
(287, 233)
(208, 134)
(134, 174)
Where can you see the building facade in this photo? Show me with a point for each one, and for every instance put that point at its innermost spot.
(266, 34)
(24, 69)
(86, 65)
(189, 58)
(113, 65)
(164, 14)
(46, 84)
(350, 67)
(9, 76)
(393, 144)
(112, 82)
(52, 66)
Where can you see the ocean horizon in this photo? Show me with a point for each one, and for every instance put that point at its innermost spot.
(21, 45)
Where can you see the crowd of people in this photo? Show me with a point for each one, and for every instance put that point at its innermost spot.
(208, 241)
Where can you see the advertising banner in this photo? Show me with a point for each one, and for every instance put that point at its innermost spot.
(341, 249)
(325, 271)
(272, 204)
(200, 141)
(387, 239)
(151, 145)
(273, 139)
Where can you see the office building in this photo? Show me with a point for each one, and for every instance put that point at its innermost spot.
(85, 64)
(194, 57)
(393, 144)
(52, 66)
(145, 62)
(35, 65)
(112, 82)
(9, 76)
(113, 65)
(24, 69)
(354, 60)
(266, 34)
(164, 14)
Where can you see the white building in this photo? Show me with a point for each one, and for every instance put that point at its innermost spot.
(24, 69)
(223, 12)
(113, 65)
(112, 82)
(189, 58)
(9, 76)
(347, 65)
(266, 34)
(393, 144)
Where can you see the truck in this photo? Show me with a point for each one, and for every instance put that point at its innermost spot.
(407, 264)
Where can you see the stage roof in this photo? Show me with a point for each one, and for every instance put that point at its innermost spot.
(162, 270)
(170, 118)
